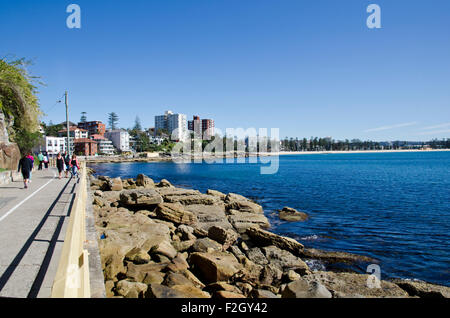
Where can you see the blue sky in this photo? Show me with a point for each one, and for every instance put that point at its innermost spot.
(310, 68)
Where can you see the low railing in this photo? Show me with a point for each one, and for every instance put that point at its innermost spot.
(72, 276)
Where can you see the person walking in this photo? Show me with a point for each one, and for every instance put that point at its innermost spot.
(74, 165)
(25, 166)
(67, 163)
(41, 160)
(60, 164)
(46, 160)
(30, 156)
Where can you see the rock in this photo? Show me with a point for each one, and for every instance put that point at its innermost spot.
(98, 193)
(305, 289)
(130, 289)
(261, 293)
(215, 193)
(292, 215)
(109, 287)
(423, 289)
(99, 201)
(138, 256)
(227, 294)
(143, 181)
(209, 215)
(214, 287)
(284, 259)
(200, 233)
(187, 232)
(164, 184)
(271, 275)
(335, 257)
(206, 245)
(238, 202)
(237, 253)
(354, 285)
(256, 255)
(161, 291)
(191, 291)
(175, 212)
(183, 245)
(241, 221)
(9, 155)
(203, 199)
(140, 198)
(226, 237)
(115, 184)
(197, 283)
(264, 238)
(215, 266)
(112, 261)
(292, 276)
(173, 279)
(164, 248)
(153, 278)
(139, 273)
(178, 264)
(245, 288)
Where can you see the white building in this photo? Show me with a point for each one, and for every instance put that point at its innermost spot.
(175, 124)
(105, 146)
(120, 139)
(55, 145)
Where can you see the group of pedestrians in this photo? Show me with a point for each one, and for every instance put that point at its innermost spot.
(64, 163)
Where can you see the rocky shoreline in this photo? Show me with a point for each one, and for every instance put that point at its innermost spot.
(160, 241)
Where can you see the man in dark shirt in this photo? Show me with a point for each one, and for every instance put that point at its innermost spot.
(25, 166)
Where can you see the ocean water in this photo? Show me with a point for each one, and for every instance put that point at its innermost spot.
(394, 207)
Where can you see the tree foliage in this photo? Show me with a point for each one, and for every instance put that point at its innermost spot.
(19, 103)
(113, 120)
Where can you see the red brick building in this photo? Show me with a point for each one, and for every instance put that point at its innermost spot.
(94, 127)
(85, 147)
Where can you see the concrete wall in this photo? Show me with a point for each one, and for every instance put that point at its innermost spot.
(7, 177)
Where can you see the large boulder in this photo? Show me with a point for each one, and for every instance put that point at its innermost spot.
(115, 184)
(143, 181)
(130, 289)
(336, 257)
(284, 259)
(355, 285)
(164, 184)
(226, 237)
(140, 198)
(215, 193)
(292, 215)
(215, 266)
(175, 212)
(9, 156)
(305, 289)
(192, 199)
(238, 202)
(145, 272)
(209, 215)
(264, 238)
(241, 221)
(423, 289)
(206, 245)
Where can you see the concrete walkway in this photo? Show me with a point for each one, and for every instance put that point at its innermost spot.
(33, 224)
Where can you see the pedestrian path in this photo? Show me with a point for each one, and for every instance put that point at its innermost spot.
(33, 224)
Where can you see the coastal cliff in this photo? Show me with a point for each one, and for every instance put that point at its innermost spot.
(160, 241)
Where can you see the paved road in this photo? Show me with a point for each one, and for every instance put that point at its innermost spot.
(33, 223)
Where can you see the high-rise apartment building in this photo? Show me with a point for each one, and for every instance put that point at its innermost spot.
(202, 127)
(174, 124)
